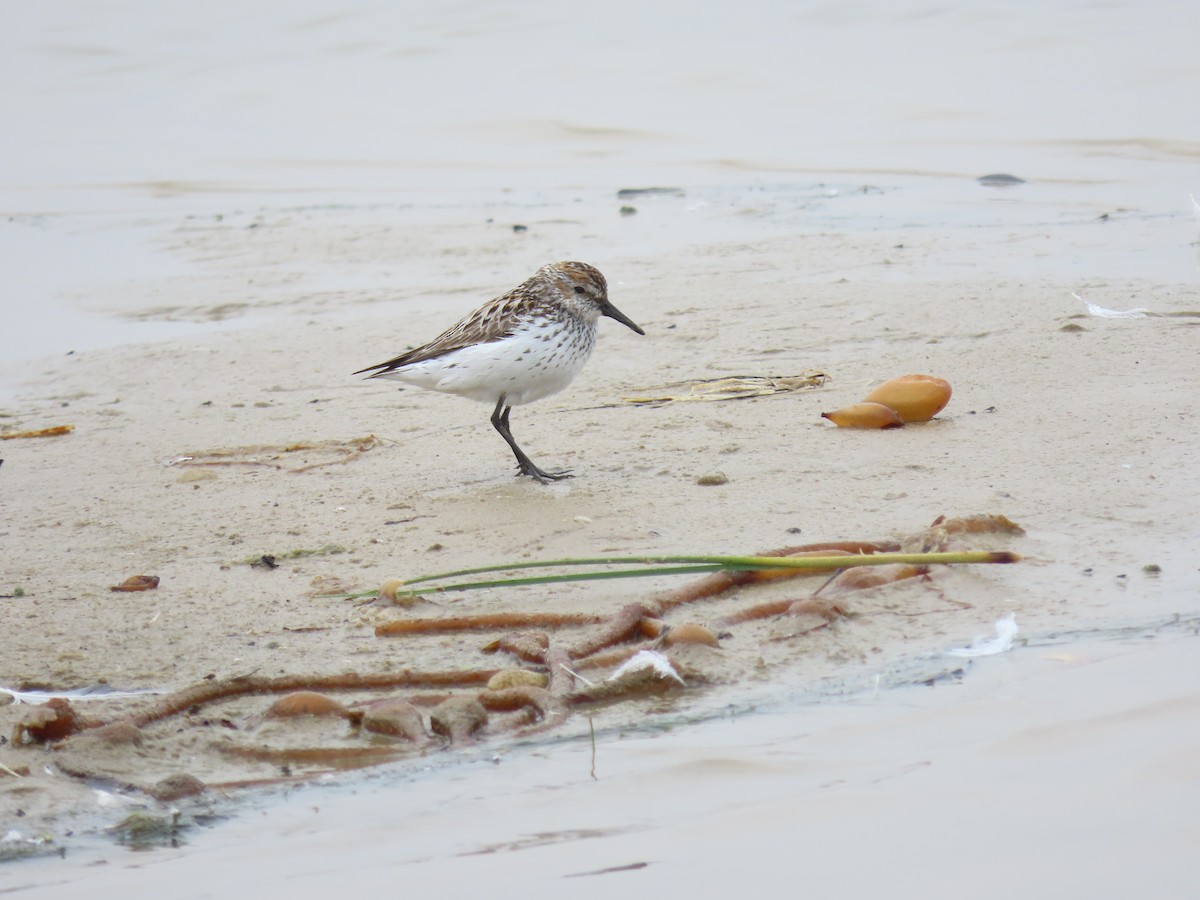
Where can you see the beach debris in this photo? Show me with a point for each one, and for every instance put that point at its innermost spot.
(176, 787)
(861, 579)
(394, 717)
(864, 415)
(733, 570)
(458, 718)
(658, 664)
(117, 734)
(647, 668)
(88, 692)
(478, 623)
(1101, 312)
(328, 758)
(818, 611)
(713, 479)
(389, 593)
(273, 456)
(915, 398)
(633, 193)
(50, 722)
(305, 703)
(999, 180)
(827, 610)
(688, 633)
(510, 678)
(537, 701)
(645, 672)
(530, 646)
(210, 691)
(983, 523)
(53, 431)
(136, 583)
(909, 398)
(718, 583)
(271, 560)
(557, 652)
(143, 830)
(608, 870)
(15, 845)
(1006, 631)
(729, 387)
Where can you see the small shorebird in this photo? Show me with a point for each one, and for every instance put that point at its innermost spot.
(522, 346)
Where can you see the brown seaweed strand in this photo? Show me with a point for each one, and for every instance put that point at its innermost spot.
(751, 613)
(620, 627)
(716, 584)
(210, 691)
(482, 622)
(561, 688)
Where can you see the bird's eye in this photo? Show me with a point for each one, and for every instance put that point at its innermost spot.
(579, 289)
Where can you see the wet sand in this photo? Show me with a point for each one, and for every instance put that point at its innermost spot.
(1008, 780)
(205, 278)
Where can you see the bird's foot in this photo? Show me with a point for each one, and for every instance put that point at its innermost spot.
(542, 475)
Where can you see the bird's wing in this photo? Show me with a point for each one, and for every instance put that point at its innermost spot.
(491, 322)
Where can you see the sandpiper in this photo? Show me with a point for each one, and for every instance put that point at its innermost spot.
(522, 346)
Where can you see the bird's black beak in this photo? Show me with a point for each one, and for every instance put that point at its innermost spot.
(613, 313)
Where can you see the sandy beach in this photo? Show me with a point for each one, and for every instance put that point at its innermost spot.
(267, 206)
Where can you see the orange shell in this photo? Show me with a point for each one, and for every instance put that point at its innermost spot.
(915, 398)
(137, 583)
(864, 415)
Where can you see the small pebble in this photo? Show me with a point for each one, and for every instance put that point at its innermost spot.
(712, 478)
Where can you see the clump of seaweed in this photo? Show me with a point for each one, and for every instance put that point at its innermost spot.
(541, 683)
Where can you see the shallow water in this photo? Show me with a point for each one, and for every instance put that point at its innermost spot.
(931, 790)
(133, 122)
(133, 281)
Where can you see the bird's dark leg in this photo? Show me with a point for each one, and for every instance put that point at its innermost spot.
(524, 463)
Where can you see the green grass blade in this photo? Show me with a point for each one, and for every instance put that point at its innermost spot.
(686, 565)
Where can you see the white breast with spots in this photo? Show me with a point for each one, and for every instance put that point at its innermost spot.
(534, 362)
